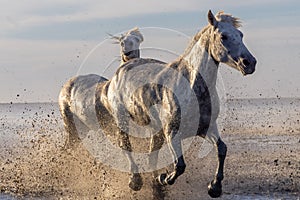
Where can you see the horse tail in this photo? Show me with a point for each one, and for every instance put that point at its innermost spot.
(67, 115)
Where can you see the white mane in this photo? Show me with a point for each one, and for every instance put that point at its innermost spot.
(228, 18)
(135, 32)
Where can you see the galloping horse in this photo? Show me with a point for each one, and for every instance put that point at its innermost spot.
(185, 90)
(84, 85)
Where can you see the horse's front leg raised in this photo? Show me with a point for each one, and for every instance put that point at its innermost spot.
(174, 143)
(215, 187)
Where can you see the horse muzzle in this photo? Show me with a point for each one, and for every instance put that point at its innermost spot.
(131, 54)
(248, 65)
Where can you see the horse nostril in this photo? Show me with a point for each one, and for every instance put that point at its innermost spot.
(246, 62)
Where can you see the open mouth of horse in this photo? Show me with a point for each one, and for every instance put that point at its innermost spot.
(129, 53)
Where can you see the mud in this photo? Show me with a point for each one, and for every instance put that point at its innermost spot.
(34, 165)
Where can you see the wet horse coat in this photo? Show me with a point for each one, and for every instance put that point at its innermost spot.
(185, 90)
(77, 97)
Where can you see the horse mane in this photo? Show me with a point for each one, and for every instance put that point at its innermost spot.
(134, 32)
(228, 18)
(195, 40)
(221, 17)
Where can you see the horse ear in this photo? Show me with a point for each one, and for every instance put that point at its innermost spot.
(211, 18)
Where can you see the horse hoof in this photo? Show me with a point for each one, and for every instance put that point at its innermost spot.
(165, 179)
(136, 182)
(161, 179)
(214, 190)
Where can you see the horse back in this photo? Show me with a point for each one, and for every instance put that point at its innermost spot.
(137, 87)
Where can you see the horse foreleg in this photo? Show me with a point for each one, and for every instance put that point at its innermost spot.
(215, 187)
(156, 143)
(135, 180)
(175, 147)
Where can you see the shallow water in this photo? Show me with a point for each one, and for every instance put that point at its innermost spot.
(34, 165)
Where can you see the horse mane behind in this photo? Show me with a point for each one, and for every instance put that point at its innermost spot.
(136, 32)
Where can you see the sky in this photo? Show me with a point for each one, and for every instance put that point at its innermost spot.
(44, 43)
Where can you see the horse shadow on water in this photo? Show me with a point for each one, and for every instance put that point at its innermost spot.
(185, 91)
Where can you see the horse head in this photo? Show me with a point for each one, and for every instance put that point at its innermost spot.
(130, 44)
(226, 43)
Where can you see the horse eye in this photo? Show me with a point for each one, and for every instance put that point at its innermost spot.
(224, 37)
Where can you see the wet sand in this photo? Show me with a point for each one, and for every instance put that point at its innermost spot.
(257, 167)
(261, 164)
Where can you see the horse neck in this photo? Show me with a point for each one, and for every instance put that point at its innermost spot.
(199, 61)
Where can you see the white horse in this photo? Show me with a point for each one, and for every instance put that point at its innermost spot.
(86, 84)
(130, 44)
(185, 90)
